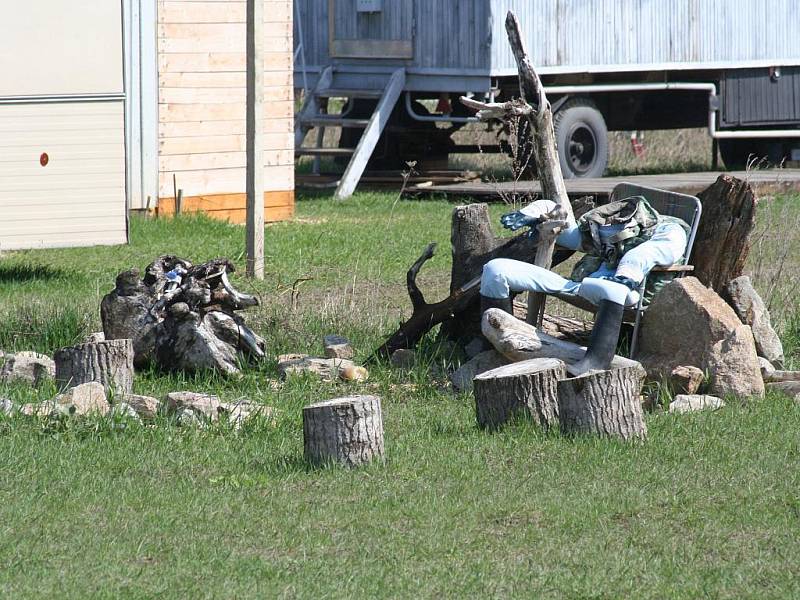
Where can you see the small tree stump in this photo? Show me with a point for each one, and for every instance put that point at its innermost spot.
(527, 387)
(346, 430)
(109, 362)
(606, 403)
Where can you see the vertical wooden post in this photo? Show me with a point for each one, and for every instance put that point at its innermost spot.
(255, 144)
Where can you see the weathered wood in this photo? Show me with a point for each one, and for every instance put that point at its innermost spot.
(348, 431)
(517, 340)
(605, 403)
(781, 376)
(255, 139)
(109, 363)
(523, 388)
(723, 236)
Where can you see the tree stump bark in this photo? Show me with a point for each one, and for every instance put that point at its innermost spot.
(109, 362)
(348, 431)
(524, 388)
(605, 403)
(723, 236)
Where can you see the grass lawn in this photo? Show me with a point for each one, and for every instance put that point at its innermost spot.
(709, 506)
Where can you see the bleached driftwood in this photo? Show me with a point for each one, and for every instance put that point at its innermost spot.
(527, 387)
(518, 340)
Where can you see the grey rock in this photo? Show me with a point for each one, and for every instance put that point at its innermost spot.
(239, 412)
(403, 359)
(204, 404)
(337, 346)
(27, 366)
(326, 368)
(125, 412)
(685, 379)
(86, 398)
(485, 361)
(789, 388)
(146, 407)
(6, 406)
(684, 403)
(752, 311)
(475, 347)
(188, 417)
(766, 367)
(689, 324)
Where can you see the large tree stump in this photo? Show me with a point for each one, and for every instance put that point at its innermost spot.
(346, 430)
(723, 236)
(527, 387)
(109, 362)
(605, 403)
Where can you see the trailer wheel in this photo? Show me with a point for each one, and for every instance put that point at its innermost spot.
(582, 139)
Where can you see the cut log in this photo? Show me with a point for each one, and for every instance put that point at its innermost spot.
(605, 403)
(523, 388)
(109, 363)
(723, 236)
(517, 340)
(348, 431)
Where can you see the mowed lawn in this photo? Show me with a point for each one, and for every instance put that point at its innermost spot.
(709, 506)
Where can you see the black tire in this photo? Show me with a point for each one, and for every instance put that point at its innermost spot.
(737, 153)
(582, 139)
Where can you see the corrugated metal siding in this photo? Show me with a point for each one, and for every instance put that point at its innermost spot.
(78, 198)
(579, 33)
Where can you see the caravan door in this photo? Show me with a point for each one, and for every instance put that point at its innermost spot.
(377, 29)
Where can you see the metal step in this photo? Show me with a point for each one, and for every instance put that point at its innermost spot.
(335, 122)
(348, 93)
(324, 151)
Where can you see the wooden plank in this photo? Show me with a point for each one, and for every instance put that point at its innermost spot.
(201, 62)
(220, 37)
(222, 79)
(255, 139)
(180, 95)
(181, 129)
(273, 142)
(220, 160)
(223, 181)
(166, 206)
(280, 109)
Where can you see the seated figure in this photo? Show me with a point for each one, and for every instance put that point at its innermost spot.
(622, 242)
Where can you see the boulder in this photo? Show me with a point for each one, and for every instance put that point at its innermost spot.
(27, 366)
(752, 311)
(689, 324)
(206, 405)
(485, 361)
(337, 346)
(86, 398)
(403, 358)
(766, 367)
(326, 368)
(685, 380)
(146, 407)
(684, 403)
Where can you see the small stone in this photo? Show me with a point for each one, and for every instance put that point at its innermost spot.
(125, 411)
(86, 398)
(6, 406)
(239, 412)
(205, 404)
(146, 407)
(354, 373)
(326, 368)
(284, 358)
(28, 366)
(684, 403)
(685, 380)
(337, 346)
(766, 367)
(752, 311)
(403, 359)
(188, 417)
(485, 361)
(475, 347)
(93, 338)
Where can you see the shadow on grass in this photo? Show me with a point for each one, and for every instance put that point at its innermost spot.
(28, 273)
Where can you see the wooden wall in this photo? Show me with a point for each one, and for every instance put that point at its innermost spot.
(201, 130)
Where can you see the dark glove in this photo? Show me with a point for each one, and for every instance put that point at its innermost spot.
(518, 220)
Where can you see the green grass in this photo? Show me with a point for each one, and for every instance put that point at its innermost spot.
(709, 506)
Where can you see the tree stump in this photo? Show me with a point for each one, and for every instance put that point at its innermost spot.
(527, 387)
(723, 235)
(347, 431)
(606, 403)
(109, 362)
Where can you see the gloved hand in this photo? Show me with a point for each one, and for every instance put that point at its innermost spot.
(518, 219)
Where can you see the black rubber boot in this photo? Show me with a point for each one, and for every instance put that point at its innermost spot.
(603, 341)
(503, 304)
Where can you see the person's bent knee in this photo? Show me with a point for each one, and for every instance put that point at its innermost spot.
(493, 280)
